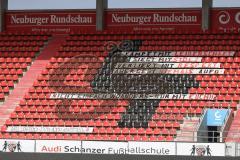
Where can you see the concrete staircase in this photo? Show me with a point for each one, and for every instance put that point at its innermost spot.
(28, 79)
(188, 130)
(234, 131)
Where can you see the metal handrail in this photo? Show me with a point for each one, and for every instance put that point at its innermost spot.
(226, 118)
(201, 119)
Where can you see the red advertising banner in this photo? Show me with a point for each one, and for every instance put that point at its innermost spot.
(222, 19)
(56, 22)
(225, 19)
(154, 20)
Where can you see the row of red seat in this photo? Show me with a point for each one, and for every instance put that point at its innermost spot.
(92, 65)
(9, 78)
(9, 84)
(83, 57)
(203, 78)
(39, 108)
(17, 49)
(36, 100)
(213, 32)
(23, 56)
(13, 65)
(157, 48)
(11, 71)
(73, 43)
(152, 37)
(21, 43)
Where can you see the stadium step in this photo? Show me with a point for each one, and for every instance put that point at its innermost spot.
(30, 76)
(188, 130)
(234, 131)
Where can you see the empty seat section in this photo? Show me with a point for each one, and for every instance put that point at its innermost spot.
(17, 51)
(128, 86)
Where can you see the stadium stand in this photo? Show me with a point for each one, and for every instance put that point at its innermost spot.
(112, 63)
